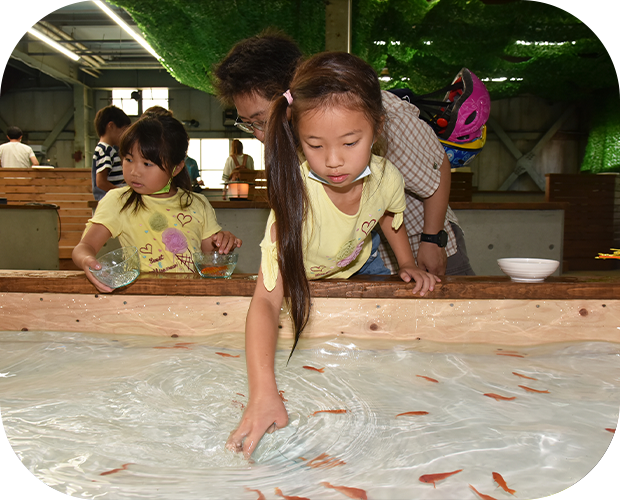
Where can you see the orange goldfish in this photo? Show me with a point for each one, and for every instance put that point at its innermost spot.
(509, 354)
(502, 484)
(497, 397)
(225, 355)
(524, 376)
(175, 346)
(281, 393)
(215, 270)
(613, 431)
(482, 495)
(431, 478)
(320, 370)
(238, 404)
(323, 461)
(529, 389)
(123, 467)
(412, 413)
(287, 497)
(355, 493)
(328, 411)
(428, 378)
(260, 495)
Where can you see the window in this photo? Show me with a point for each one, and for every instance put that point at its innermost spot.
(211, 154)
(150, 97)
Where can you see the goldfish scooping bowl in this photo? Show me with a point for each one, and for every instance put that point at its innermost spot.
(528, 270)
(118, 268)
(215, 264)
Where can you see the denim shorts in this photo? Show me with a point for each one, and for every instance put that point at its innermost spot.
(374, 264)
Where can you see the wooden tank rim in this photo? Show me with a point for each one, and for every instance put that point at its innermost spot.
(385, 287)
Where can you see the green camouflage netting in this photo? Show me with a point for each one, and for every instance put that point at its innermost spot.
(519, 47)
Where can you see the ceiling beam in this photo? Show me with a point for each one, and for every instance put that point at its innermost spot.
(55, 71)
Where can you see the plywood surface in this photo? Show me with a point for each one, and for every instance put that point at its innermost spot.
(501, 322)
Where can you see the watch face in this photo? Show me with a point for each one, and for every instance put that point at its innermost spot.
(443, 238)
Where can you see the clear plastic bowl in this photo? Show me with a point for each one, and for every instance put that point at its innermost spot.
(118, 268)
(215, 264)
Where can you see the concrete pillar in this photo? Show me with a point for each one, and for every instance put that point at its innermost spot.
(82, 150)
(338, 25)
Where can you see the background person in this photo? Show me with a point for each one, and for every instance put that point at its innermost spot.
(107, 170)
(14, 154)
(260, 68)
(194, 173)
(234, 163)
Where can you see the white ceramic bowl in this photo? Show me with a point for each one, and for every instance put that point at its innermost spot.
(528, 270)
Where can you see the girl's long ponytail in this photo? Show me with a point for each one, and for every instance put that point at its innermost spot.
(288, 199)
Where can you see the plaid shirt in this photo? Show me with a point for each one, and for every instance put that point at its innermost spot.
(415, 150)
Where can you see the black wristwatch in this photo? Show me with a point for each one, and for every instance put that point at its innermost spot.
(440, 239)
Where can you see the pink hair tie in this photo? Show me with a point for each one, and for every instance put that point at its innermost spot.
(288, 96)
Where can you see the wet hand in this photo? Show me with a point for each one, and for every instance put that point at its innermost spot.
(264, 415)
(91, 262)
(225, 242)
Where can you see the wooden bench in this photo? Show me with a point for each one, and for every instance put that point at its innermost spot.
(588, 219)
(70, 189)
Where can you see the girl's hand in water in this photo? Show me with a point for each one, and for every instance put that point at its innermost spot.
(225, 242)
(91, 262)
(263, 415)
(424, 282)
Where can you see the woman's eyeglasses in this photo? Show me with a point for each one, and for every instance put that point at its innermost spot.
(250, 127)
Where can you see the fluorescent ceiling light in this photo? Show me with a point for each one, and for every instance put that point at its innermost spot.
(126, 27)
(54, 44)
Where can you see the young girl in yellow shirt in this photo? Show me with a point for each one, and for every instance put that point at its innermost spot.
(323, 214)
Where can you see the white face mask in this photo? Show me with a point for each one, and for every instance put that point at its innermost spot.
(365, 173)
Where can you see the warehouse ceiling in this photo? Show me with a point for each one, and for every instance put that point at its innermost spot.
(105, 49)
(518, 47)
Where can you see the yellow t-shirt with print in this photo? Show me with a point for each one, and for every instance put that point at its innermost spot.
(165, 234)
(337, 245)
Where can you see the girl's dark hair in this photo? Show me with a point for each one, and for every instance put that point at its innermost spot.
(329, 79)
(163, 140)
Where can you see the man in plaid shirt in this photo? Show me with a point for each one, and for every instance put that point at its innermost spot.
(261, 67)
(415, 150)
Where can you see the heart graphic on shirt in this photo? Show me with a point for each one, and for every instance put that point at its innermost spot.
(148, 248)
(317, 269)
(184, 219)
(367, 226)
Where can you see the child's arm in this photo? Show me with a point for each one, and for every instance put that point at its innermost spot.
(223, 241)
(84, 254)
(265, 411)
(103, 182)
(407, 268)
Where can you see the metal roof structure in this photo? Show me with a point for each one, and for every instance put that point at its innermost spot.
(107, 53)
